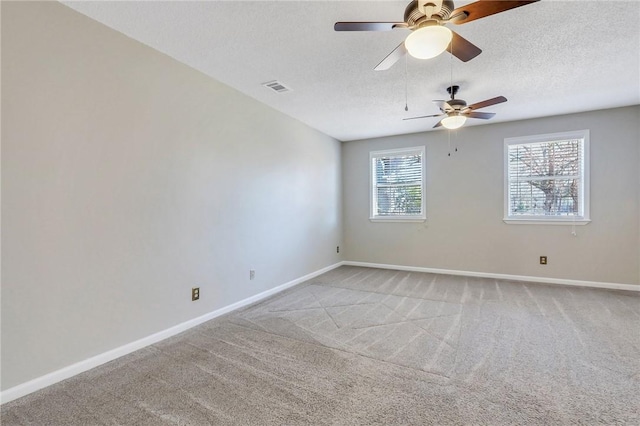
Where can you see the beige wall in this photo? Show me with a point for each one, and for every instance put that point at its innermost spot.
(464, 230)
(128, 178)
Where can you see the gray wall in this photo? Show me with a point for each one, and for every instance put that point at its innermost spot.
(464, 230)
(128, 178)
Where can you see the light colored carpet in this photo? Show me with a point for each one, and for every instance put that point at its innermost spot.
(360, 346)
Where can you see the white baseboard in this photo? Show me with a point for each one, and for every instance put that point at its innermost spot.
(87, 364)
(560, 281)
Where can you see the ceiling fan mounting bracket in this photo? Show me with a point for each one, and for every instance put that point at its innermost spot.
(429, 7)
(415, 13)
(453, 90)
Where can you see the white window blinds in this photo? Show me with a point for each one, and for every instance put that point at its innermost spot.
(397, 190)
(546, 176)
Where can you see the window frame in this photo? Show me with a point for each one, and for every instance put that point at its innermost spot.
(373, 217)
(583, 191)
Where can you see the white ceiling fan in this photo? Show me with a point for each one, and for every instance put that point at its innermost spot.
(429, 36)
(456, 111)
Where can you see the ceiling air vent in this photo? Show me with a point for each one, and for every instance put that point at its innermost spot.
(276, 86)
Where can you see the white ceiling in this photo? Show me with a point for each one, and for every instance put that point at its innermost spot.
(547, 58)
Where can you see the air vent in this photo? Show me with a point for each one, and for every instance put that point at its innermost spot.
(276, 86)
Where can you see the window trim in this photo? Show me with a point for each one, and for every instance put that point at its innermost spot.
(549, 220)
(420, 150)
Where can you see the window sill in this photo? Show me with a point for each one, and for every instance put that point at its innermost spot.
(555, 221)
(397, 219)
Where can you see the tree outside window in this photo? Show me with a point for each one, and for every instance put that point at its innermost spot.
(546, 177)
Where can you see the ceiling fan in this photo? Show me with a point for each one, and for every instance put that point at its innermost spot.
(456, 111)
(429, 37)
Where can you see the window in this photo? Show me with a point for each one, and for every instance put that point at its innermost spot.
(397, 185)
(547, 179)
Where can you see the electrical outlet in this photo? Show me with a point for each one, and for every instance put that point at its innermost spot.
(195, 294)
(252, 274)
(543, 260)
(337, 249)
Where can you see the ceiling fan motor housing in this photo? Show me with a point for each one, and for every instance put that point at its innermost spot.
(457, 104)
(413, 16)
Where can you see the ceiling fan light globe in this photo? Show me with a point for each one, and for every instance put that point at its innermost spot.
(428, 42)
(454, 121)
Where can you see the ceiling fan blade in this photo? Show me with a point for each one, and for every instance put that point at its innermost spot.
(462, 48)
(392, 58)
(482, 115)
(443, 105)
(423, 116)
(488, 102)
(483, 8)
(368, 26)
(438, 124)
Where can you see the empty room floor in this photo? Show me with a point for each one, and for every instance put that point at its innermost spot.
(359, 346)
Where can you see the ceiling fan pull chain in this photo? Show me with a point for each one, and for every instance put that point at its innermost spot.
(406, 82)
(456, 144)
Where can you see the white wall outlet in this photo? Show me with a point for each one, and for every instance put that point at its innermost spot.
(252, 274)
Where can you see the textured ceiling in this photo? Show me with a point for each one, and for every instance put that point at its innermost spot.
(547, 58)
